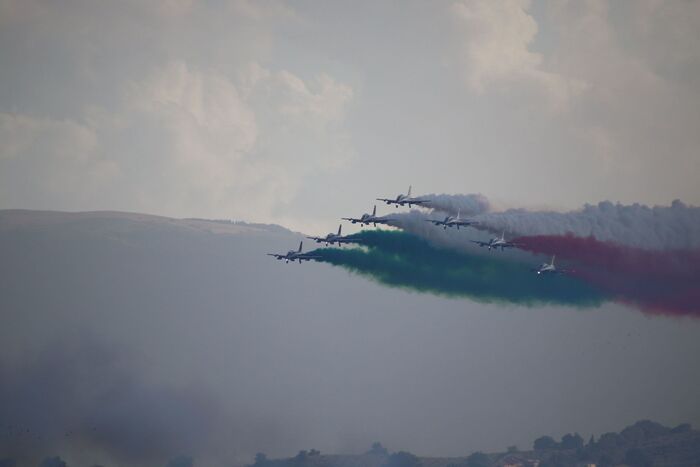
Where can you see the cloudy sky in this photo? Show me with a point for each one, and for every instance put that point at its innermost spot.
(300, 112)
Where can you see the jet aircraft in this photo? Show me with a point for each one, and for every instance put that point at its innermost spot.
(496, 243)
(293, 255)
(452, 221)
(367, 219)
(332, 238)
(550, 268)
(402, 200)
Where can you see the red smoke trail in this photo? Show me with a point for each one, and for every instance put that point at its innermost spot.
(666, 282)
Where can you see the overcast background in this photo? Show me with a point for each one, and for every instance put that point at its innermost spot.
(297, 114)
(130, 340)
(300, 112)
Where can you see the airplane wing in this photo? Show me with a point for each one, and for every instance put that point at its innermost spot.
(276, 255)
(434, 221)
(386, 200)
(316, 239)
(352, 219)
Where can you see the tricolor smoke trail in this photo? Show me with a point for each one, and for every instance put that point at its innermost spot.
(400, 259)
(665, 282)
(645, 257)
(659, 227)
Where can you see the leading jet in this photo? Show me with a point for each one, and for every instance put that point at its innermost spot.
(452, 221)
(333, 238)
(402, 200)
(367, 219)
(496, 243)
(293, 255)
(550, 268)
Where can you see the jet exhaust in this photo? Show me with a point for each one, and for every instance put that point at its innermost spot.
(399, 259)
(662, 282)
(660, 227)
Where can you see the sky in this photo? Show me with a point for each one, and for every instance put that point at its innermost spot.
(299, 113)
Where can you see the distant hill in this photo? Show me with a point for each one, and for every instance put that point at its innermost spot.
(13, 219)
(129, 339)
(644, 444)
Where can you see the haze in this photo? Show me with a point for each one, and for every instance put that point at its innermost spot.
(299, 113)
(129, 339)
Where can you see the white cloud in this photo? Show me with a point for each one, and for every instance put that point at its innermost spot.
(496, 37)
(187, 139)
(43, 160)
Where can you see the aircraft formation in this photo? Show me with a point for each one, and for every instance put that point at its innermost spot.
(367, 219)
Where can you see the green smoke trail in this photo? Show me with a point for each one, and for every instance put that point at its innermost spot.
(399, 259)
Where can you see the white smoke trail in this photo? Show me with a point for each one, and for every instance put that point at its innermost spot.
(415, 222)
(659, 227)
(466, 205)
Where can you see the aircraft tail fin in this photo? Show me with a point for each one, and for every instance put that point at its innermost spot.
(458, 213)
(374, 211)
(300, 244)
(409, 190)
(503, 235)
(553, 256)
(340, 228)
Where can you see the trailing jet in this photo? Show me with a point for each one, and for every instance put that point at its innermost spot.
(367, 219)
(402, 200)
(497, 242)
(292, 255)
(550, 268)
(452, 221)
(332, 238)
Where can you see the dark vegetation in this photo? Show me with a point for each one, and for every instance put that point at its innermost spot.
(644, 444)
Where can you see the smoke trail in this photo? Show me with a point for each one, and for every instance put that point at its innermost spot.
(659, 227)
(403, 260)
(665, 282)
(414, 222)
(466, 205)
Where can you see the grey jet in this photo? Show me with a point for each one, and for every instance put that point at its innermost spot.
(333, 238)
(367, 219)
(496, 242)
(452, 221)
(402, 200)
(293, 255)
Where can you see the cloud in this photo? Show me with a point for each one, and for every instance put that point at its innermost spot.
(191, 139)
(43, 158)
(496, 37)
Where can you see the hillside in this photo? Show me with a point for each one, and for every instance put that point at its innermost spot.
(129, 340)
(644, 444)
